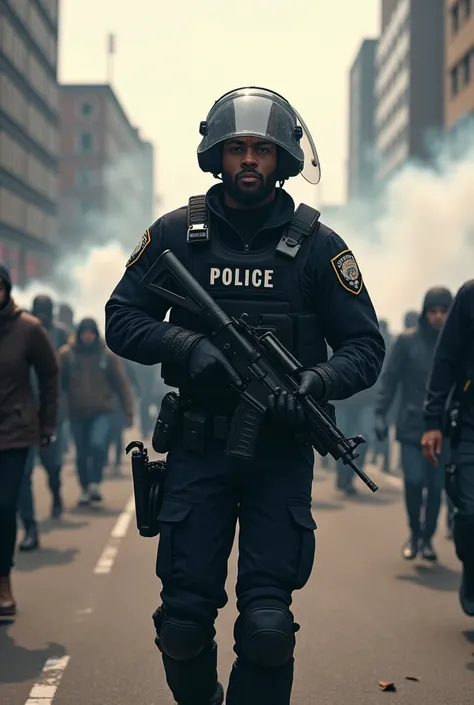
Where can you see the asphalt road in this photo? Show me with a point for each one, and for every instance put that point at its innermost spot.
(84, 632)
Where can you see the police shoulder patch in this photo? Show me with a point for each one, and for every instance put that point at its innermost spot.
(140, 248)
(348, 272)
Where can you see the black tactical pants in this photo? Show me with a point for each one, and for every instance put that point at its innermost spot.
(205, 495)
(463, 457)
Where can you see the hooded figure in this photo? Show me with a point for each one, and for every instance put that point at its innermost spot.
(43, 309)
(26, 419)
(411, 319)
(407, 370)
(52, 457)
(92, 378)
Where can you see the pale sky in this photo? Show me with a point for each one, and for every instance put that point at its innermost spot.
(175, 58)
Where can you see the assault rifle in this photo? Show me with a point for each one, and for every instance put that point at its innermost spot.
(264, 366)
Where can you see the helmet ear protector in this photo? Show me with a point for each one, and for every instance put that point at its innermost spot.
(211, 160)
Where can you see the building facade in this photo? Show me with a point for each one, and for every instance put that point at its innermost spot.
(361, 162)
(409, 113)
(29, 137)
(106, 170)
(459, 65)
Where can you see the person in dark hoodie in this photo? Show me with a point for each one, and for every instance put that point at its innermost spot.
(25, 422)
(411, 319)
(51, 457)
(92, 377)
(407, 371)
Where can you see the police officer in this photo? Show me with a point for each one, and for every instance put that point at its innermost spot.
(451, 378)
(252, 138)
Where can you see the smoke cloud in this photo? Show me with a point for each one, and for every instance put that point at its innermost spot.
(421, 236)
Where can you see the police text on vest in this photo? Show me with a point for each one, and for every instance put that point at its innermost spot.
(241, 277)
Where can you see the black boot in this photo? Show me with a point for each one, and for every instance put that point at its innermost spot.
(466, 591)
(428, 552)
(30, 540)
(57, 506)
(411, 548)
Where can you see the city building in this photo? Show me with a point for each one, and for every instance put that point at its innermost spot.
(361, 163)
(29, 137)
(106, 170)
(409, 84)
(459, 68)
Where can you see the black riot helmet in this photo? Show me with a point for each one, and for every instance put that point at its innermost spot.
(259, 112)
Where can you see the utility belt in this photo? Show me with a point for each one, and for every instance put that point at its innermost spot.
(196, 427)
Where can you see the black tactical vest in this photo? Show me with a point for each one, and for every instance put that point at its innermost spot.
(266, 284)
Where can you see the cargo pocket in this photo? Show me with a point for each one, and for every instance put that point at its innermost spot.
(302, 517)
(172, 518)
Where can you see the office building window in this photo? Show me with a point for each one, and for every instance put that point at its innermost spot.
(85, 178)
(84, 208)
(455, 80)
(86, 110)
(86, 142)
(455, 18)
(465, 66)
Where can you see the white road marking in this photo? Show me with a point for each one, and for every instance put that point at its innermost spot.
(109, 554)
(44, 690)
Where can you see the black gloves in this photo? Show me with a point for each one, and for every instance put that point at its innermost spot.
(381, 430)
(287, 407)
(204, 356)
(195, 353)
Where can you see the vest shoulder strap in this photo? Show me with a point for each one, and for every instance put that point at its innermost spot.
(198, 225)
(301, 225)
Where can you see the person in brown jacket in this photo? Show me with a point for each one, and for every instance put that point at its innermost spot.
(92, 378)
(24, 422)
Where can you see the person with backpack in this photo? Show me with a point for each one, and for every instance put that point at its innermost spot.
(92, 377)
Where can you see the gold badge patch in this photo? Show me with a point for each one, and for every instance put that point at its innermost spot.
(348, 272)
(140, 247)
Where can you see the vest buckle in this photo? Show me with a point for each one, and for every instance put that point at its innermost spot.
(288, 246)
(198, 232)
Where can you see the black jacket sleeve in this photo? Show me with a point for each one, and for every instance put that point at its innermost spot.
(134, 316)
(349, 321)
(391, 376)
(447, 360)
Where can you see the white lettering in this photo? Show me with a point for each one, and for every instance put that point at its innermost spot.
(227, 276)
(268, 279)
(254, 278)
(214, 274)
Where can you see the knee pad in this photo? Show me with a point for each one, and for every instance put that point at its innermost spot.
(267, 636)
(180, 639)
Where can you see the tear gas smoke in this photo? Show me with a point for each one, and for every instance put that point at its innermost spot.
(421, 236)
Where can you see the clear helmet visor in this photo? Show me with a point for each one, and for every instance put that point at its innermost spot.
(258, 112)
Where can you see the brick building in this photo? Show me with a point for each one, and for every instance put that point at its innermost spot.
(459, 71)
(106, 170)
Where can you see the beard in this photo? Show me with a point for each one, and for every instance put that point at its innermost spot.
(240, 193)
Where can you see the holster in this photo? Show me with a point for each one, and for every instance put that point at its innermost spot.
(148, 480)
(167, 423)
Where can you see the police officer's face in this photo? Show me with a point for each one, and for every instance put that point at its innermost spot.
(436, 316)
(249, 170)
(3, 292)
